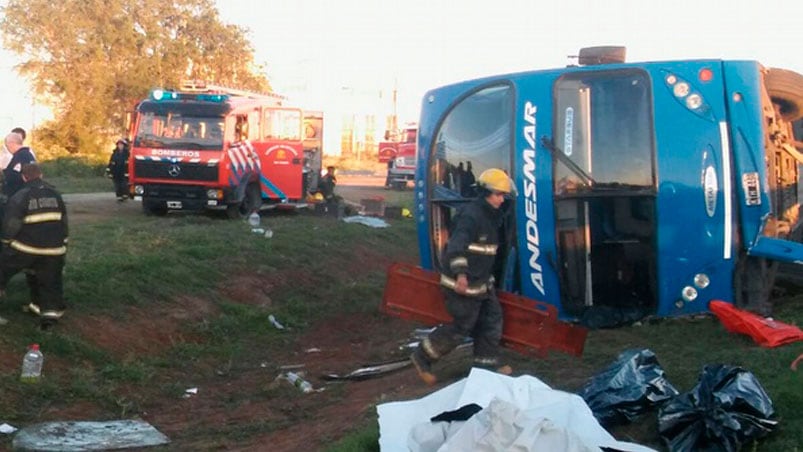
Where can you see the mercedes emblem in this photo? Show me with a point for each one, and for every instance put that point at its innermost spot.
(174, 170)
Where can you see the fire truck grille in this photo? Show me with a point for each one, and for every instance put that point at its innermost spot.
(176, 170)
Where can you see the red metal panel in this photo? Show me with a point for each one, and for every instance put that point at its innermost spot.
(530, 326)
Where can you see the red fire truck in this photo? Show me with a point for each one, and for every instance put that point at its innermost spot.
(400, 155)
(207, 147)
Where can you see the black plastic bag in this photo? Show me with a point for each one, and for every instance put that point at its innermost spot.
(726, 409)
(629, 387)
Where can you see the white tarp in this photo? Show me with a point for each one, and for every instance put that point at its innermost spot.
(524, 410)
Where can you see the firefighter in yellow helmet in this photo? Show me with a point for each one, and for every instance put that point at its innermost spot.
(467, 281)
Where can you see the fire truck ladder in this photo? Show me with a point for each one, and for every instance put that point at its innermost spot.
(203, 87)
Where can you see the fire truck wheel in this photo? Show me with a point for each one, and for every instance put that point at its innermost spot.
(786, 90)
(252, 201)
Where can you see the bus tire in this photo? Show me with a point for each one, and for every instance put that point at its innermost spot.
(252, 202)
(753, 281)
(786, 90)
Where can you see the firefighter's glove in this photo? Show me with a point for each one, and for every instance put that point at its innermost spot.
(462, 284)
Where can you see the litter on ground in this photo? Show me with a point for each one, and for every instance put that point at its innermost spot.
(86, 436)
(367, 221)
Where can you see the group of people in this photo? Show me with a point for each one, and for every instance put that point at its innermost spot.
(34, 230)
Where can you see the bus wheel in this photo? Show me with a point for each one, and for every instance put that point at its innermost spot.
(786, 90)
(252, 202)
(753, 281)
(153, 209)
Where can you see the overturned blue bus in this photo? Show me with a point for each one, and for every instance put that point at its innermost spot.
(652, 186)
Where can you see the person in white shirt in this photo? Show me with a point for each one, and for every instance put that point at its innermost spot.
(5, 157)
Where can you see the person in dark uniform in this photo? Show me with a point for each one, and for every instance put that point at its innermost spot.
(118, 169)
(34, 237)
(21, 155)
(467, 281)
(327, 184)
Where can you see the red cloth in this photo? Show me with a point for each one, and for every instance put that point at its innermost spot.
(766, 332)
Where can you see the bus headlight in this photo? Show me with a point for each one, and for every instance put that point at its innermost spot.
(139, 190)
(681, 89)
(689, 294)
(701, 280)
(213, 194)
(694, 101)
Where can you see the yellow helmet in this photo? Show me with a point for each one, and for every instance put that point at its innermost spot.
(494, 179)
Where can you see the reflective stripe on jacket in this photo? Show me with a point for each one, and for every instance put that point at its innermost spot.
(35, 220)
(472, 247)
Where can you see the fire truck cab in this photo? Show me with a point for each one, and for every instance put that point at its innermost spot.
(207, 147)
(400, 154)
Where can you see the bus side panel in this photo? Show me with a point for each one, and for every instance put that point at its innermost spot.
(535, 224)
(747, 141)
(693, 164)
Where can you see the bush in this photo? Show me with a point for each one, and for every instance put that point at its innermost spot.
(78, 166)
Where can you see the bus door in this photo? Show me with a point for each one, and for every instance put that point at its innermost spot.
(604, 191)
(281, 154)
(476, 134)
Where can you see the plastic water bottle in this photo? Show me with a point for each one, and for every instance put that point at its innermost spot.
(300, 383)
(253, 219)
(32, 365)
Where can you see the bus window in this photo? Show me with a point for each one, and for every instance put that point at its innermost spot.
(604, 125)
(605, 201)
(475, 135)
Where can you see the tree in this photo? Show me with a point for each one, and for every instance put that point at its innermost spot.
(92, 60)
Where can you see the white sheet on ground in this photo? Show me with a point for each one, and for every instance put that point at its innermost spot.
(529, 406)
(368, 221)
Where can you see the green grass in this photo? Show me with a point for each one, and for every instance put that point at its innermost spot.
(124, 268)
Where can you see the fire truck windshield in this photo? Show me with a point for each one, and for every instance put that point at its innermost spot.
(175, 131)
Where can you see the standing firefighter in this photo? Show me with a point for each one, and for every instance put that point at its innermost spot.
(118, 169)
(35, 240)
(467, 280)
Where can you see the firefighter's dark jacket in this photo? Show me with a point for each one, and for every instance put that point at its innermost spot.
(35, 220)
(472, 246)
(12, 174)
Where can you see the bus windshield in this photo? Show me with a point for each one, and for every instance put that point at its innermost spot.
(604, 127)
(176, 131)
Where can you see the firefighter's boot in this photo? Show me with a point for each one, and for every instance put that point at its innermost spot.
(423, 367)
(492, 365)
